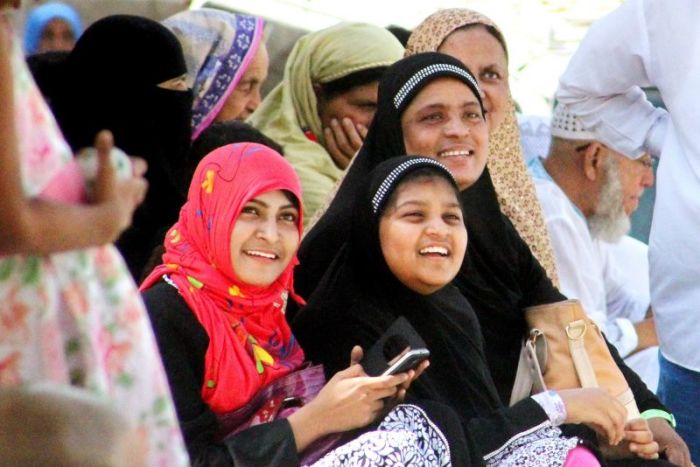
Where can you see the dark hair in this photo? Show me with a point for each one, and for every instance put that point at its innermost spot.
(220, 134)
(402, 34)
(422, 174)
(490, 29)
(292, 198)
(359, 78)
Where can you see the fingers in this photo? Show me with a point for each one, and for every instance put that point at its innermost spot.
(104, 142)
(641, 439)
(645, 451)
(382, 393)
(362, 130)
(352, 136)
(678, 455)
(421, 368)
(343, 140)
(356, 355)
(138, 166)
(340, 159)
(406, 384)
(353, 371)
(598, 409)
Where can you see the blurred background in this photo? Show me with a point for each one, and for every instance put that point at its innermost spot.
(541, 34)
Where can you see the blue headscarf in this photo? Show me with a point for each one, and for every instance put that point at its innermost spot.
(40, 16)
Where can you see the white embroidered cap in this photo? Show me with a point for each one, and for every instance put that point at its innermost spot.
(568, 126)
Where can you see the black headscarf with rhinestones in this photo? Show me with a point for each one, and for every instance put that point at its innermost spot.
(399, 85)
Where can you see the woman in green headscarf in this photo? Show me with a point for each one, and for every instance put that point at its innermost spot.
(321, 110)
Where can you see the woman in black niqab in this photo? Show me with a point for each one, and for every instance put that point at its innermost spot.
(111, 81)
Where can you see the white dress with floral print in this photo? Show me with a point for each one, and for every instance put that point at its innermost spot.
(76, 317)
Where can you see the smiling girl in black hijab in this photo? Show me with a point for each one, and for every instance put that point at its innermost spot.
(406, 243)
(122, 76)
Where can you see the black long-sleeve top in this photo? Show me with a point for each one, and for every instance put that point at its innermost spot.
(183, 343)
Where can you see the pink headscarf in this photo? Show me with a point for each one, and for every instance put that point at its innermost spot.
(250, 343)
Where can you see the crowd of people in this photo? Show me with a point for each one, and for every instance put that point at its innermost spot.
(218, 297)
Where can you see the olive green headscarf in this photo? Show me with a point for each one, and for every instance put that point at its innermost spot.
(291, 107)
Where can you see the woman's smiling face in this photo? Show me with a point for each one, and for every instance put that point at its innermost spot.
(422, 234)
(445, 122)
(265, 238)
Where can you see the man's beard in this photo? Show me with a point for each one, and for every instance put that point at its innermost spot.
(610, 222)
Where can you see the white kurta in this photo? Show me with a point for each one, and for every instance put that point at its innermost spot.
(644, 43)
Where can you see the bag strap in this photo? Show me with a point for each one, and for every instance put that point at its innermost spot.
(528, 377)
(575, 333)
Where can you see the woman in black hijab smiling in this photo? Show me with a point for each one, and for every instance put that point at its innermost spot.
(499, 276)
(406, 244)
(126, 74)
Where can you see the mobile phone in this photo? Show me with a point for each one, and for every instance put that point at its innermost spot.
(399, 338)
(408, 361)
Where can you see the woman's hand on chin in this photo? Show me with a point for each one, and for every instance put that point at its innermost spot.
(343, 140)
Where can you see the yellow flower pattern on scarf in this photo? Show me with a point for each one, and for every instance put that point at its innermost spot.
(208, 183)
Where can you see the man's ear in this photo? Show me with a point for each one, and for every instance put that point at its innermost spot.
(594, 161)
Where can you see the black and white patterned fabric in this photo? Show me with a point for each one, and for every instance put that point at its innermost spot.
(406, 437)
(543, 446)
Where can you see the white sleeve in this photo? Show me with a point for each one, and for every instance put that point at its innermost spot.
(602, 83)
(623, 300)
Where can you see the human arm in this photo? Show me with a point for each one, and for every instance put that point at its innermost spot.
(670, 442)
(664, 434)
(349, 400)
(601, 84)
(36, 226)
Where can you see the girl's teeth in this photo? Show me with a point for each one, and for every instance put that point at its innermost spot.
(261, 254)
(434, 249)
(455, 153)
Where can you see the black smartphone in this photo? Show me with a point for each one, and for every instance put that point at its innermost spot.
(394, 346)
(408, 361)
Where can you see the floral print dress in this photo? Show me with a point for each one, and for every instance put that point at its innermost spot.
(76, 317)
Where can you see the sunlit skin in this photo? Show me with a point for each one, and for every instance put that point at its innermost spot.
(486, 59)
(56, 36)
(444, 122)
(345, 118)
(422, 234)
(358, 104)
(178, 83)
(246, 97)
(264, 238)
(635, 177)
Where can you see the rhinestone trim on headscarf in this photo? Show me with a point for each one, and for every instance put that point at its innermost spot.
(428, 71)
(378, 198)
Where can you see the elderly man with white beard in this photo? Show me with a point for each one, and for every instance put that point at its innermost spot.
(588, 192)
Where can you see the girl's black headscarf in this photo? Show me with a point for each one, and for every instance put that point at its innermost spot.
(359, 298)
(499, 275)
(111, 82)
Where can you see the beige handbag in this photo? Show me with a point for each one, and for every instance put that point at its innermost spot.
(566, 350)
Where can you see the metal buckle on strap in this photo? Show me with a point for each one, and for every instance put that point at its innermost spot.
(576, 329)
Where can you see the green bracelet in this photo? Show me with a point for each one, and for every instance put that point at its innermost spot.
(656, 413)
